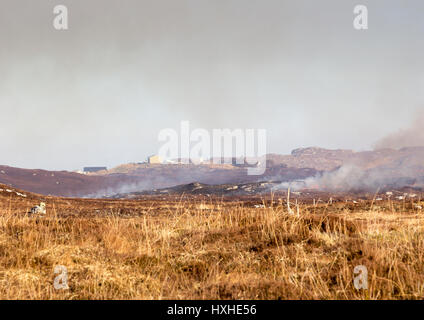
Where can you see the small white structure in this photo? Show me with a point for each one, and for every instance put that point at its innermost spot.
(155, 159)
(41, 209)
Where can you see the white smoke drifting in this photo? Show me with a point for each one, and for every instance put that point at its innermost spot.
(349, 178)
(410, 137)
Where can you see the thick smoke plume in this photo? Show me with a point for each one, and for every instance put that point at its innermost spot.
(405, 171)
(353, 178)
(392, 169)
(410, 137)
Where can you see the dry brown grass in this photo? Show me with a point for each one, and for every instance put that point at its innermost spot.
(214, 251)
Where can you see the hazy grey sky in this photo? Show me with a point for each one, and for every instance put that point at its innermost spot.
(98, 93)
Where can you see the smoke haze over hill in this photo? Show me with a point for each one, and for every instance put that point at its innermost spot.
(408, 137)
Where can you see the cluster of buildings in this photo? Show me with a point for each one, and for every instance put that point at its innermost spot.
(155, 159)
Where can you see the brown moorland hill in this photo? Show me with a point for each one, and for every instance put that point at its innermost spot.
(59, 183)
(392, 164)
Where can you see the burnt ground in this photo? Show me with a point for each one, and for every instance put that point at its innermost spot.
(184, 197)
(255, 191)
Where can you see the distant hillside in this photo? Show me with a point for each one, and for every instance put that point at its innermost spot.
(58, 183)
(386, 164)
(327, 160)
(315, 158)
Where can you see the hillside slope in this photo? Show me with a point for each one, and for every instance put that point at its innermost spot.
(383, 165)
(58, 183)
